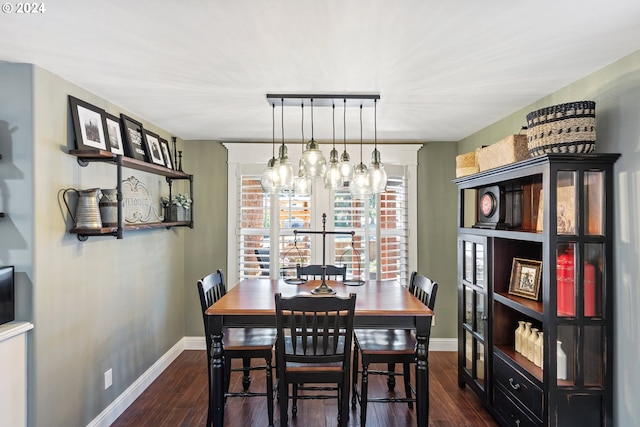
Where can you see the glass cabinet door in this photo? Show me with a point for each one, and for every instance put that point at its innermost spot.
(474, 302)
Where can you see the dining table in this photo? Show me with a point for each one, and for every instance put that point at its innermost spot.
(380, 304)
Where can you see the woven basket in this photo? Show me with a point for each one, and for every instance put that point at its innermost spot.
(563, 128)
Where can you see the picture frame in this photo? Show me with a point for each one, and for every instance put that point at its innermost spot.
(152, 143)
(134, 138)
(525, 278)
(113, 133)
(166, 153)
(88, 125)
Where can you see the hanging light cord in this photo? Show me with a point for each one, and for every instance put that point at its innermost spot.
(282, 120)
(312, 119)
(333, 106)
(360, 133)
(344, 126)
(375, 124)
(302, 125)
(273, 130)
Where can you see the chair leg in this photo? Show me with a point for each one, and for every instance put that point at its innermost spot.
(294, 406)
(343, 407)
(283, 389)
(354, 384)
(246, 377)
(407, 380)
(364, 392)
(269, 375)
(227, 373)
(391, 379)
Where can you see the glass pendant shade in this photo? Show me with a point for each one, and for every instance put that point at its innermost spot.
(346, 168)
(314, 161)
(302, 183)
(269, 179)
(333, 176)
(284, 170)
(377, 174)
(360, 186)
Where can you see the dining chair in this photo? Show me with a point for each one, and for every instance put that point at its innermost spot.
(262, 255)
(314, 347)
(314, 272)
(239, 343)
(389, 346)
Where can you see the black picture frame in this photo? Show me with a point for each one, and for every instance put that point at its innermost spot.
(154, 151)
(132, 131)
(113, 134)
(88, 125)
(166, 153)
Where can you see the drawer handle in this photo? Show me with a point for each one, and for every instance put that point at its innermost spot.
(514, 386)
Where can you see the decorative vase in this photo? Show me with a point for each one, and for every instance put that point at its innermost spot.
(531, 344)
(525, 338)
(109, 207)
(566, 285)
(562, 362)
(538, 351)
(518, 336)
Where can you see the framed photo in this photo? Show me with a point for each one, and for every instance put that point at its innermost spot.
(113, 133)
(525, 278)
(152, 142)
(566, 210)
(87, 124)
(164, 145)
(134, 146)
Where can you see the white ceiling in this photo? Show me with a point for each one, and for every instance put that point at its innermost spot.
(443, 68)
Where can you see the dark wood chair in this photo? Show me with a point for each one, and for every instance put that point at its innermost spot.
(239, 343)
(389, 346)
(314, 272)
(262, 255)
(314, 347)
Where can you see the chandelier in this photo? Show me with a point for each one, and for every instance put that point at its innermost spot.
(338, 172)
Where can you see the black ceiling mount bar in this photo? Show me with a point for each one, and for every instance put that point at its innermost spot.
(324, 289)
(324, 99)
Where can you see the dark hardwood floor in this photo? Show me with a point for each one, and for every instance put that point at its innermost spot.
(179, 395)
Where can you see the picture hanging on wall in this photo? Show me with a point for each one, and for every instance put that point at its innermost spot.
(152, 142)
(88, 125)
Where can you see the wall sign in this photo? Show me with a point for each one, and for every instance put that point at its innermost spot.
(137, 203)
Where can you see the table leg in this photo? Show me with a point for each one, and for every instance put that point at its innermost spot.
(423, 326)
(216, 391)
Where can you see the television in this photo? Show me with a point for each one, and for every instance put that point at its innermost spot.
(7, 295)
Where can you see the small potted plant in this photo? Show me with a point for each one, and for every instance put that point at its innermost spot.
(177, 209)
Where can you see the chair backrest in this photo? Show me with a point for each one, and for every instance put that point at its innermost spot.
(424, 289)
(314, 271)
(313, 329)
(211, 288)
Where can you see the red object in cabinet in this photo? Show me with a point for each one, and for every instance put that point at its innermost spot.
(566, 286)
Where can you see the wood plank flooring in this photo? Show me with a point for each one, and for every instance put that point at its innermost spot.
(178, 398)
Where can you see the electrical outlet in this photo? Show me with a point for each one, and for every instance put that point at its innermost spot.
(433, 321)
(108, 379)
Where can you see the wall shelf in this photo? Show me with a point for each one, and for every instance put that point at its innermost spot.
(96, 155)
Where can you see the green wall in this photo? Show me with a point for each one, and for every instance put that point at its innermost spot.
(616, 90)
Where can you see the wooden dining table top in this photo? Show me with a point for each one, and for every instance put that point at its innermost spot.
(375, 298)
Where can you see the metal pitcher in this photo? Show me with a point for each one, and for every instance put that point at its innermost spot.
(87, 214)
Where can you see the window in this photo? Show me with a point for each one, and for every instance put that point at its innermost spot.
(379, 248)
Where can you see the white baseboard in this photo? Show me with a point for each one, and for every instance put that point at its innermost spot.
(122, 402)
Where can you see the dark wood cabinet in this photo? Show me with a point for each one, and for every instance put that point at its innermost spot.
(557, 211)
(95, 155)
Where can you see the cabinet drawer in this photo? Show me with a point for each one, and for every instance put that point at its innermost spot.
(510, 411)
(518, 386)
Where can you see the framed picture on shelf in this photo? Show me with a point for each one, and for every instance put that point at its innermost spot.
(566, 210)
(113, 133)
(525, 278)
(134, 138)
(87, 124)
(152, 142)
(164, 145)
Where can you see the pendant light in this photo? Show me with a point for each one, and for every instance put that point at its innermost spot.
(377, 174)
(314, 162)
(360, 187)
(302, 182)
(269, 180)
(283, 165)
(333, 177)
(346, 168)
